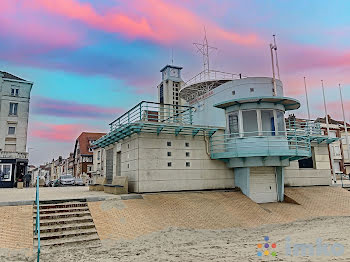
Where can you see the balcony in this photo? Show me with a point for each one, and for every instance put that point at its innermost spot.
(13, 155)
(154, 113)
(286, 145)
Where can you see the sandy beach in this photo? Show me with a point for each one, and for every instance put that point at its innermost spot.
(235, 244)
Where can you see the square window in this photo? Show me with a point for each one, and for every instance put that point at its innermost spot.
(188, 164)
(251, 90)
(169, 163)
(233, 93)
(187, 154)
(169, 153)
(187, 144)
(12, 130)
(168, 143)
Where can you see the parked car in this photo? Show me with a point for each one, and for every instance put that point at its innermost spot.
(79, 181)
(67, 180)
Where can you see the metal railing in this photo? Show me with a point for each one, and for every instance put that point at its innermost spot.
(155, 112)
(212, 75)
(304, 126)
(37, 220)
(284, 143)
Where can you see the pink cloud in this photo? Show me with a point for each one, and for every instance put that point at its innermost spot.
(60, 108)
(56, 132)
(157, 20)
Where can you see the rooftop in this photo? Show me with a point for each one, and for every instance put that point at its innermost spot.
(10, 76)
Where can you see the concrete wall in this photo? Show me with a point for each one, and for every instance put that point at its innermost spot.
(319, 175)
(18, 141)
(144, 160)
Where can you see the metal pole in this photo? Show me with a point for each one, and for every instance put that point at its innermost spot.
(307, 100)
(345, 124)
(278, 69)
(273, 71)
(330, 148)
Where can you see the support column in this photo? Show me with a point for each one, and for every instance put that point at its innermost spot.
(280, 183)
(242, 177)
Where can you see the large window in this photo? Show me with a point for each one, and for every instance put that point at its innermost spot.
(233, 125)
(267, 123)
(250, 123)
(5, 172)
(280, 122)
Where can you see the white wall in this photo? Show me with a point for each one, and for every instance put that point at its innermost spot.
(320, 175)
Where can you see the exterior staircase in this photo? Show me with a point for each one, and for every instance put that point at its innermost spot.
(65, 222)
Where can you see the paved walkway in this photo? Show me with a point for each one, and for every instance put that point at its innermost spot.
(50, 193)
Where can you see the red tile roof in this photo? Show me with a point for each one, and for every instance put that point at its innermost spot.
(84, 141)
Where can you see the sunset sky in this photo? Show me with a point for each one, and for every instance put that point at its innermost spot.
(92, 60)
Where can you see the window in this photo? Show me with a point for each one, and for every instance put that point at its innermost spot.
(161, 94)
(12, 91)
(5, 172)
(188, 164)
(233, 93)
(187, 154)
(251, 90)
(280, 122)
(128, 146)
(187, 144)
(233, 127)
(306, 163)
(168, 143)
(169, 163)
(128, 165)
(250, 123)
(17, 92)
(13, 109)
(268, 123)
(12, 130)
(90, 149)
(169, 153)
(98, 155)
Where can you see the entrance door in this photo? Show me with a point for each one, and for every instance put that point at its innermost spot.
(263, 184)
(109, 166)
(119, 162)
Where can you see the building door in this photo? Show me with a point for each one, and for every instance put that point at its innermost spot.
(263, 184)
(109, 166)
(119, 162)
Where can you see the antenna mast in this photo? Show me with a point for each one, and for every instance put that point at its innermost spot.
(273, 47)
(278, 68)
(204, 48)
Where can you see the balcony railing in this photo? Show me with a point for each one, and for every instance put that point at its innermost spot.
(13, 155)
(304, 126)
(250, 144)
(155, 112)
(212, 75)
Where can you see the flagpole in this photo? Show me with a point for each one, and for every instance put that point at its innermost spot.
(345, 124)
(330, 148)
(307, 100)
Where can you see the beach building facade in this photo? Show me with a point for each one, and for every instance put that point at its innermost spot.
(14, 113)
(223, 131)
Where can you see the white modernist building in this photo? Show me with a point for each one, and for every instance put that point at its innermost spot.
(218, 131)
(14, 112)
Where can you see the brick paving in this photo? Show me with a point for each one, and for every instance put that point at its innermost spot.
(16, 227)
(116, 219)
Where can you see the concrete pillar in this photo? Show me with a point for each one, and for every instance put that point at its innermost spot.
(280, 183)
(242, 175)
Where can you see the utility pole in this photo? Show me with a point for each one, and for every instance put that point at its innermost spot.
(345, 124)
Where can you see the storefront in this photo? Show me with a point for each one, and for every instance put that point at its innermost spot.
(11, 170)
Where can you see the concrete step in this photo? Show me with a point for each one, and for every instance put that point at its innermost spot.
(69, 241)
(66, 227)
(64, 220)
(65, 234)
(60, 210)
(63, 215)
(60, 205)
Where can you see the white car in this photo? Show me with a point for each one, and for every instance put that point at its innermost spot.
(67, 180)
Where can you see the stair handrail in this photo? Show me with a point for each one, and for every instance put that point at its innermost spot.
(37, 219)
